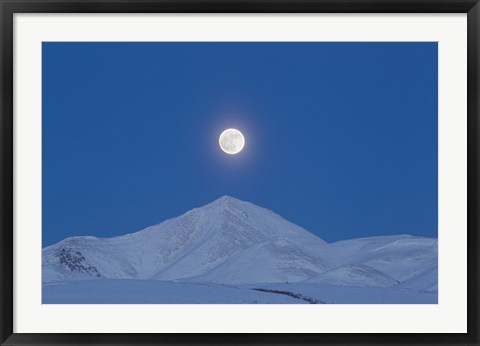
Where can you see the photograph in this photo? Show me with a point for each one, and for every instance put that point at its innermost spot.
(239, 172)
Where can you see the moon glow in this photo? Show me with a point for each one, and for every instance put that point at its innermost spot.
(231, 141)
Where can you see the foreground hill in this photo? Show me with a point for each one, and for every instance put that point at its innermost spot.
(105, 291)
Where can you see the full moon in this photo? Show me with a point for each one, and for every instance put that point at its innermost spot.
(231, 141)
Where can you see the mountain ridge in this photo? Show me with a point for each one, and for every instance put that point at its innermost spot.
(231, 241)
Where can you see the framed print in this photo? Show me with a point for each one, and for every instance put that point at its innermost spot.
(239, 172)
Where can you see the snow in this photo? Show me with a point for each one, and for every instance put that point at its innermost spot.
(426, 281)
(161, 292)
(354, 274)
(155, 292)
(334, 294)
(231, 243)
(273, 261)
(183, 247)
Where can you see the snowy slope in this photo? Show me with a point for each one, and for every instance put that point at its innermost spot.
(339, 294)
(161, 292)
(106, 291)
(399, 257)
(282, 260)
(426, 281)
(353, 275)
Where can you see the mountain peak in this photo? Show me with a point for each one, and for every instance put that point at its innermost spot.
(226, 198)
(236, 206)
(226, 201)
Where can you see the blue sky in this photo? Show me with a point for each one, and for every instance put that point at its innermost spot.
(341, 138)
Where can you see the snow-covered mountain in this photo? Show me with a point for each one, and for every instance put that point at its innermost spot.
(381, 261)
(234, 242)
(191, 245)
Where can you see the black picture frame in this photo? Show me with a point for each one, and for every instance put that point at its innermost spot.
(10, 7)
